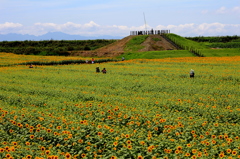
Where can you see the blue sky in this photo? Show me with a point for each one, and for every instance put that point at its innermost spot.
(118, 18)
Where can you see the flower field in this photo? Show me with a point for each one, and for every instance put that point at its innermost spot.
(138, 109)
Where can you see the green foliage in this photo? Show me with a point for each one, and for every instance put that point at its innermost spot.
(51, 47)
(185, 43)
(224, 45)
(158, 54)
(156, 39)
(135, 43)
(221, 52)
(221, 39)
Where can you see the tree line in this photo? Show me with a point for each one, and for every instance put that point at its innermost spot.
(51, 47)
(219, 39)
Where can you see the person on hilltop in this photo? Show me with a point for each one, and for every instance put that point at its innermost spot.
(192, 73)
(97, 69)
(104, 71)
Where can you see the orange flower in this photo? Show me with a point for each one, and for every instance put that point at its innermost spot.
(43, 148)
(68, 155)
(115, 143)
(179, 148)
(28, 156)
(127, 135)
(140, 157)
(47, 152)
(229, 150)
(187, 154)
(234, 152)
(83, 155)
(80, 141)
(1, 150)
(221, 155)
(129, 142)
(129, 147)
(8, 155)
(88, 148)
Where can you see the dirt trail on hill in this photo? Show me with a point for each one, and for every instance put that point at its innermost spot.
(156, 43)
(152, 43)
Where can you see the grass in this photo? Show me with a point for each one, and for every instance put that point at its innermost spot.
(135, 43)
(221, 52)
(185, 43)
(158, 54)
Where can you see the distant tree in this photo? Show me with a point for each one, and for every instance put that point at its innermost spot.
(87, 48)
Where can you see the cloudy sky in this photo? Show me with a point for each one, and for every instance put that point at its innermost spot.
(119, 17)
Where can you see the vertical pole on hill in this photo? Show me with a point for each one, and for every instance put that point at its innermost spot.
(145, 21)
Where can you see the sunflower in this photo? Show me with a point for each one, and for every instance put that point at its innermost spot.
(140, 157)
(31, 136)
(67, 155)
(28, 156)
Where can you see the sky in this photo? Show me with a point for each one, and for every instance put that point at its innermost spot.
(119, 17)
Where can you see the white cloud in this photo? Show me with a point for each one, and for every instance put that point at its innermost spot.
(8, 25)
(204, 29)
(222, 10)
(94, 29)
(236, 10)
(205, 11)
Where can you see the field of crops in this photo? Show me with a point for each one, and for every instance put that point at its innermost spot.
(138, 109)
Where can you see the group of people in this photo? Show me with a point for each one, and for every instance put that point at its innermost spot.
(92, 61)
(104, 71)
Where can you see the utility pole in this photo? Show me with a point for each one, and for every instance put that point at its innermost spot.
(145, 21)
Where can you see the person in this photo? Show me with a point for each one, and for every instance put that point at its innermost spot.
(97, 69)
(31, 66)
(191, 73)
(123, 58)
(104, 71)
(92, 60)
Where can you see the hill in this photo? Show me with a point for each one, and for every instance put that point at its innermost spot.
(151, 43)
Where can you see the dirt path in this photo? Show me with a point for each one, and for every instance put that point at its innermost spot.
(157, 43)
(152, 43)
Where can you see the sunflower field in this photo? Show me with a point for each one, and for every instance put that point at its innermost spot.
(138, 109)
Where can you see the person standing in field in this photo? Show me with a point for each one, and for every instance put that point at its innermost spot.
(104, 71)
(92, 60)
(192, 73)
(97, 69)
